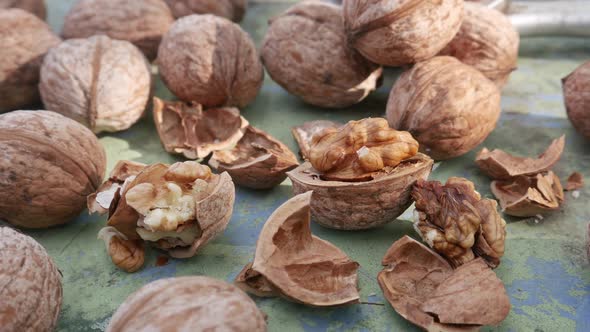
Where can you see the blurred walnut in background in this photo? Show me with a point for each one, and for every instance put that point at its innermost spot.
(36, 7)
(231, 9)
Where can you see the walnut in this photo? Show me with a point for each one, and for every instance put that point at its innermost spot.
(456, 222)
(395, 32)
(25, 39)
(306, 52)
(30, 284)
(297, 265)
(449, 107)
(577, 100)
(231, 9)
(142, 23)
(127, 255)
(574, 182)
(36, 7)
(487, 41)
(423, 288)
(258, 161)
(219, 65)
(37, 143)
(304, 133)
(189, 130)
(188, 304)
(82, 79)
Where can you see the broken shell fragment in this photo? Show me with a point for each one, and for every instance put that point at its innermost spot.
(189, 130)
(574, 182)
(297, 265)
(128, 255)
(303, 134)
(258, 161)
(252, 282)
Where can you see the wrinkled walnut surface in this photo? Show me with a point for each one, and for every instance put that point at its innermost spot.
(231, 9)
(574, 182)
(305, 132)
(100, 82)
(576, 87)
(36, 7)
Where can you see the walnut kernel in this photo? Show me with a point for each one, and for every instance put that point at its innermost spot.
(36, 7)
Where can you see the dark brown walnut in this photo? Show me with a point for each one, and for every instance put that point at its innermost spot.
(457, 223)
(305, 50)
(36, 7)
(25, 39)
(128, 255)
(219, 65)
(360, 151)
(304, 133)
(258, 161)
(500, 165)
(487, 41)
(449, 107)
(296, 264)
(34, 145)
(529, 196)
(188, 304)
(231, 9)
(189, 130)
(574, 182)
(142, 23)
(577, 99)
(30, 284)
(361, 205)
(400, 32)
(83, 79)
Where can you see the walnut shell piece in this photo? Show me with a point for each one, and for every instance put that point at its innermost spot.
(258, 161)
(298, 265)
(361, 205)
(577, 99)
(400, 32)
(195, 133)
(188, 304)
(218, 67)
(231, 9)
(487, 41)
(574, 182)
(36, 7)
(305, 51)
(25, 40)
(305, 132)
(142, 23)
(449, 107)
(37, 143)
(30, 284)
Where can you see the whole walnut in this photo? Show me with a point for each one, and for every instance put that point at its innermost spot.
(399, 32)
(487, 41)
(25, 39)
(306, 52)
(140, 22)
(449, 107)
(36, 7)
(30, 284)
(218, 64)
(100, 82)
(231, 9)
(576, 91)
(50, 164)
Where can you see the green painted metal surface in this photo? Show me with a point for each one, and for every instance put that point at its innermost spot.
(545, 268)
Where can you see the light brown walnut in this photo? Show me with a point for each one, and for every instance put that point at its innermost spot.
(577, 98)
(231, 9)
(36, 7)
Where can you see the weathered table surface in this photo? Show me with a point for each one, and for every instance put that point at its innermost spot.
(545, 268)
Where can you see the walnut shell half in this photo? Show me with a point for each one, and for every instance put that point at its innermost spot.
(30, 284)
(231, 9)
(297, 265)
(36, 7)
(361, 205)
(258, 161)
(577, 99)
(35, 144)
(188, 304)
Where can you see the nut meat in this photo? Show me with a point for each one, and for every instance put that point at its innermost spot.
(231, 9)
(576, 87)
(36, 7)
(303, 134)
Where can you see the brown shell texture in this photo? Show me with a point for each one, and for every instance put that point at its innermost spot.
(299, 266)
(577, 99)
(231, 9)
(36, 7)
(142, 23)
(218, 67)
(258, 161)
(30, 284)
(574, 182)
(499, 165)
(457, 223)
(305, 50)
(83, 79)
(449, 107)
(400, 32)
(361, 205)
(188, 304)
(25, 39)
(305, 132)
(195, 133)
(34, 144)
(487, 41)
